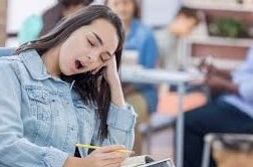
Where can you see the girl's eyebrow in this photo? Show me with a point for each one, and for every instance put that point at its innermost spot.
(98, 38)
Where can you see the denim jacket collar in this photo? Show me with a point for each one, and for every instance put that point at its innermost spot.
(34, 64)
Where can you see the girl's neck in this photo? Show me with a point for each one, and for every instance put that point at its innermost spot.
(51, 61)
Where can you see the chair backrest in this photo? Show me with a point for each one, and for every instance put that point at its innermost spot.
(228, 150)
(6, 51)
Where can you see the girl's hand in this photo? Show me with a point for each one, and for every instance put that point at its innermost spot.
(102, 157)
(112, 77)
(106, 156)
(110, 72)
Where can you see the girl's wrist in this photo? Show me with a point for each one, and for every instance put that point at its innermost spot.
(114, 82)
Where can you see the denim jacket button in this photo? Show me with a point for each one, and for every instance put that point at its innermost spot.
(43, 96)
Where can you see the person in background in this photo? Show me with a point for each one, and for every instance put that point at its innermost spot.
(230, 111)
(36, 25)
(169, 38)
(172, 49)
(141, 39)
(63, 89)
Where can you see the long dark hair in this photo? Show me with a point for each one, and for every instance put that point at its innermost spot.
(93, 89)
(137, 12)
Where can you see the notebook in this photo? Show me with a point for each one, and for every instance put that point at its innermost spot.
(147, 161)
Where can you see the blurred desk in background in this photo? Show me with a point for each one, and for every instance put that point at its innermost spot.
(136, 74)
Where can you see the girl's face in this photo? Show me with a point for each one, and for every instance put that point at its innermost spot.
(88, 48)
(123, 8)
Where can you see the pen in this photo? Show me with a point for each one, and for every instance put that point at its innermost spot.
(95, 147)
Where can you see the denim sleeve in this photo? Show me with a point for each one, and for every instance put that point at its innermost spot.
(121, 123)
(15, 150)
(243, 77)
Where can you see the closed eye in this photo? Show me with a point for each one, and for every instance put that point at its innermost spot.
(91, 43)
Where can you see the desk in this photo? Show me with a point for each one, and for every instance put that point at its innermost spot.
(157, 76)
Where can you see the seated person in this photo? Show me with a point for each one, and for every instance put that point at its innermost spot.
(171, 49)
(141, 39)
(62, 89)
(168, 38)
(229, 111)
(36, 25)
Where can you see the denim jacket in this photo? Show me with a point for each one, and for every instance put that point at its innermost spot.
(41, 117)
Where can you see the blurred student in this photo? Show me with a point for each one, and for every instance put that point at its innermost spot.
(36, 25)
(169, 38)
(171, 45)
(63, 89)
(230, 111)
(141, 39)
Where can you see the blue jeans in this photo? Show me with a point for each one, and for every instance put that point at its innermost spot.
(214, 117)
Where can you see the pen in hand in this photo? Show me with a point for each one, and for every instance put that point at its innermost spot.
(96, 147)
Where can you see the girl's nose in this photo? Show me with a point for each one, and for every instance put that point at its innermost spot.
(94, 55)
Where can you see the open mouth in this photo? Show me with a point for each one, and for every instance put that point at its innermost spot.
(78, 64)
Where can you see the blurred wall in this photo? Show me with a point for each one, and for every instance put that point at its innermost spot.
(157, 13)
(3, 12)
(18, 10)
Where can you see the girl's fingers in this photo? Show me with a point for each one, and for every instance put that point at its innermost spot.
(113, 162)
(109, 159)
(113, 155)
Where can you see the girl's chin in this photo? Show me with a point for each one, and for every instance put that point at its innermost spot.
(68, 73)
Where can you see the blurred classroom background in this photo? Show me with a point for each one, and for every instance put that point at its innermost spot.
(14, 12)
(224, 27)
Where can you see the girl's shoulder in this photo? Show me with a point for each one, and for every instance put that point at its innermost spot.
(10, 66)
(10, 61)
